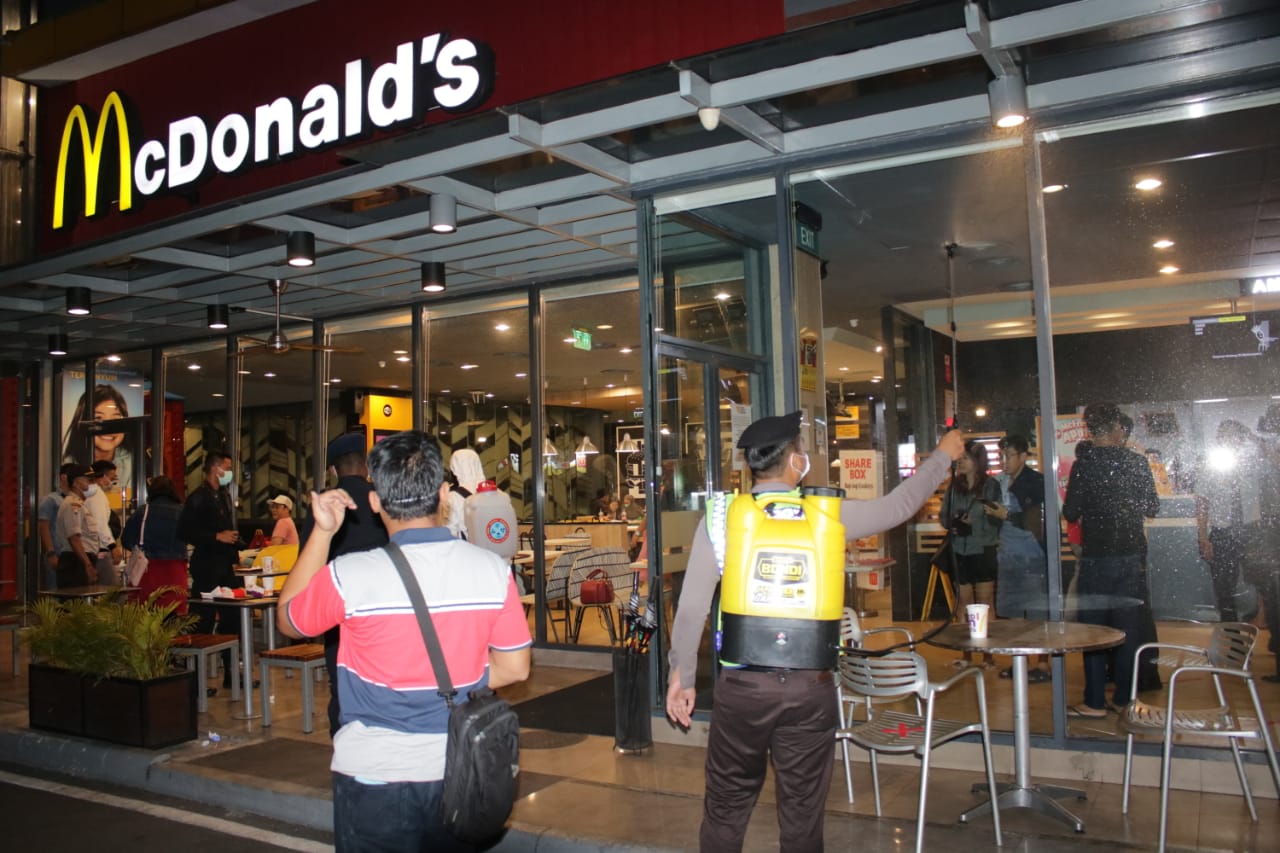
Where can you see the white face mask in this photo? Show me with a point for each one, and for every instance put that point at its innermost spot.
(805, 472)
(91, 490)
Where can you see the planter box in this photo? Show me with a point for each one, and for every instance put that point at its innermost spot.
(150, 714)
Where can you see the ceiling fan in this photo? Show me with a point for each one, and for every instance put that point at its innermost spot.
(276, 343)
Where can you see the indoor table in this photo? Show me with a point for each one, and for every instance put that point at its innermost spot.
(568, 542)
(1021, 638)
(266, 603)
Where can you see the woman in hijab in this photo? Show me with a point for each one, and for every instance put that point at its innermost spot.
(465, 465)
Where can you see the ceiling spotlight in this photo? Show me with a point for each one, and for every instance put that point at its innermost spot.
(1007, 96)
(79, 301)
(301, 247)
(1054, 188)
(433, 277)
(58, 344)
(1162, 243)
(1168, 269)
(1148, 184)
(444, 213)
(219, 316)
(710, 117)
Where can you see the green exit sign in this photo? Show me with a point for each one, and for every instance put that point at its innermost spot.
(806, 238)
(582, 339)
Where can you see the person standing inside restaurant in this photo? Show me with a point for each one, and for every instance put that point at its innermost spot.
(975, 533)
(1229, 510)
(47, 524)
(468, 471)
(208, 524)
(76, 565)
(285, 532)
(388, 757)
(788, 715)
(1022, 583)
(361, 529)
(1110, 492)
(154, 528)
(99, 540)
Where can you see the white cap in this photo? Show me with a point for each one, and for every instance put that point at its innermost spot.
(284, 501)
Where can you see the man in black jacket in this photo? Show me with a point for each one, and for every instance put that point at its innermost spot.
(1110, 492)
(208, 524)
(361, 530)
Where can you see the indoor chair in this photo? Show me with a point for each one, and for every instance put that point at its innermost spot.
(1227, 656)
(616, 566)
(853, 635)
(904, 675)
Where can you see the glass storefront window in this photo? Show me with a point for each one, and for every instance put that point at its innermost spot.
(195, 409)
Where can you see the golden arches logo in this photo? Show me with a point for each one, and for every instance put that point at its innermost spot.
(92, 149)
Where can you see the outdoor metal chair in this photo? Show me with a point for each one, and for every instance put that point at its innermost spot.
(1227, 656)
(853, 635)
(901, 675)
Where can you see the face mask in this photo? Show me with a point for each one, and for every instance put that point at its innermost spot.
(806, 467)
(90, 491)
(224, 479)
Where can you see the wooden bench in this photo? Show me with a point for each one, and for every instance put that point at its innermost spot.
(307, 657)
(199, 649)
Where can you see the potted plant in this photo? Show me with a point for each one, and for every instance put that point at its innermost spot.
(102, 669)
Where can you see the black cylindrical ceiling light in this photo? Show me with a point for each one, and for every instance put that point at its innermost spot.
(301, 248)
(79, 301)
(433, 277)
(219, 316)
(58, 344)
(444, 213)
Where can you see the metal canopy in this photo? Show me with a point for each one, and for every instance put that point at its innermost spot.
(545, 191)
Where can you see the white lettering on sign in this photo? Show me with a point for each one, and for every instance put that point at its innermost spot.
(1271, 284)
(435, 72)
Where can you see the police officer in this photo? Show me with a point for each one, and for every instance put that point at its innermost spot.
(790, 713)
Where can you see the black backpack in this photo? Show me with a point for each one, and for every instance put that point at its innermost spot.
(482, 757)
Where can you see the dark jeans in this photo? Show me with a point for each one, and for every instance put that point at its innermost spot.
(1116, 596)
(331, 638)
(1229, 547)
(398, 817)
(790, 718)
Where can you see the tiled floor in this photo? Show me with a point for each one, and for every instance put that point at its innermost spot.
(580, 785)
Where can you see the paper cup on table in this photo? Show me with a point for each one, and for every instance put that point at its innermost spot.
(978, 616)
(269, 564)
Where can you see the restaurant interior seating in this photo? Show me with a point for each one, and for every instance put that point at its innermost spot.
(1225, 658)
(900, 676)
(853, 635)
(616, 565)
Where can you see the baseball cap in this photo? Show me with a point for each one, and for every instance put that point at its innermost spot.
(284, 501)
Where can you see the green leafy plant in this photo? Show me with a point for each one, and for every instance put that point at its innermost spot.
(112, 636)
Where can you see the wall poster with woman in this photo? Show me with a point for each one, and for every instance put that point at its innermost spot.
(117, 394)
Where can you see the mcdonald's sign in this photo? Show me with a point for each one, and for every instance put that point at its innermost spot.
(92, 149)
(434, 72)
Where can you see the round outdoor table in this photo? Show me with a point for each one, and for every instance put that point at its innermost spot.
(1021, 638)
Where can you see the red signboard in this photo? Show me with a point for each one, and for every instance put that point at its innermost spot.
(537, 49)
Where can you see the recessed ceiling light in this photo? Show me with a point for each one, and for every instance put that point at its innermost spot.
(567, 340)
(218, 394)
(844, 370)
(114, 359)
(335, 380)
(1113, 315)
(269, 375)
(193, 367)
(879, 348)
(723, 297)
(604, 327)
(521, 375)
(657, 328)
(502, 327)
(1148, 184)
(609, 385)
(1054, 188)
(468, 366)
(625, 350)
(135, 384)
(1162, 243)
(1168, 269)
(576, 403)
(444, 390)
(399, 352)
(245, 372)
(402, 358)
(875, 379)
(394, 386)
(489, 396)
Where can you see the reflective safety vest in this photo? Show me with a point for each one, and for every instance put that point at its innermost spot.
(781, 558)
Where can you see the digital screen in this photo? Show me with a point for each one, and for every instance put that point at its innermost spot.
(1252, 335)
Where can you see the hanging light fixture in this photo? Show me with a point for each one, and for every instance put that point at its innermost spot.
(79, 301)
(58, 344)
(549, 449)
(301, 246)
(1008, 98)
(433, 277)
(219, 316)
(587, 446)
(444, 213)
(628, 444)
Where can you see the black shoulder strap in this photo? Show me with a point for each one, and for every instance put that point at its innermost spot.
(428, 629)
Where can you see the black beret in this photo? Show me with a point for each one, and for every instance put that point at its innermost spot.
(775, 429)
(352, 442)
